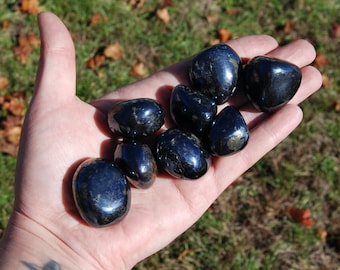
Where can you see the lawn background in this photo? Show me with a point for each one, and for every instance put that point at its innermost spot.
(248, 226)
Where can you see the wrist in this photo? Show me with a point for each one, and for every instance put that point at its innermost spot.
(28, 245)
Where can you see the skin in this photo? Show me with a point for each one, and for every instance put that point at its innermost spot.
(60, 131)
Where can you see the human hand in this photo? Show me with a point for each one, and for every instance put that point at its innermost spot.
(60, 131)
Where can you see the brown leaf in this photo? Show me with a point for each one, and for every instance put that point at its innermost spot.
(24, 47)
(232, 11)
(214, 42)
(14, 104)
(224, 35)
(28, 6)
(3, 83)
(96, 19)
(163, 15)
(113, 51)
(322, 233)
(288, 27)
(325, 81)
(32, 39)
(302, 216)
(336, 105)
(138, 70)
(136, 3)
(5, 24)
(321, 60)
(336, 30)
(212, 18)
(166, 3)
(96, 61)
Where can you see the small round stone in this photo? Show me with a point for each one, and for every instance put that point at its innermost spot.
(181, 154)
(136, 118)
(215, 72)
(101, 192)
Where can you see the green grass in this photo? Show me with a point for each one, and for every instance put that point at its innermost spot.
(247, 227)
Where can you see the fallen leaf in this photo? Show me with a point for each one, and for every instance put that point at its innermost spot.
(232, 11)
(163, 15)
(96, 61)
(136, 3)
(224, 35)
(302, 216)
(336, 30)
(138, 70)
(96, 19)
(166, 3)
(3, 83)
(113, 51)
(212, 18)
(24, 47)
(10, 127)
(288, 27)
(320, 60)
(336, 105)
(214, 42)
(5, 24)
(28, 6)
(322, 233)
(325, 81)
(32, 39)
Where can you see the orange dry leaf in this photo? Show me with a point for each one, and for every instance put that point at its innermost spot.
(163, 15)
(96, 18)
(336, 30)
(288, 27)
(11, 126)
(3, 83)
(322, 234)
(212, 18)
(336, 106)
(302, 216)
(325, 81)
(136, 3)
(5, 24)
(224, 35)
(113, 51)
(321, 60)
(138, 70)
(28, 6)
(32, 39)
(24, 47)
(95, 61)
(232, 11)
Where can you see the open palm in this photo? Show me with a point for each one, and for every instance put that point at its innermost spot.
(60, 131)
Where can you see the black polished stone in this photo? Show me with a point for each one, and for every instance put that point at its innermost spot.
(137, 162)
(101, 192)
(136, 117)
(270, 83)
(191, 109)
(181, 154)
(215, 72)
(228, 133)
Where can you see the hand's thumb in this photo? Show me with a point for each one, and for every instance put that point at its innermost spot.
(56, 78)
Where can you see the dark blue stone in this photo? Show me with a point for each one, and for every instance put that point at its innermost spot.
(191, 109)
(101, 192)
(270, 83)
(181, 154)
(215, 72)
(137, 162)
(228, 133)
(136, 117)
